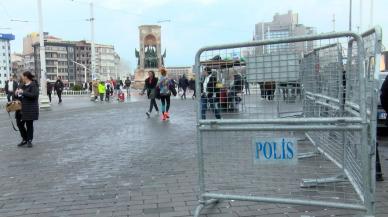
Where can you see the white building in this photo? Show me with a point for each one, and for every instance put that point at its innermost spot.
(5, 57)
(106, 60)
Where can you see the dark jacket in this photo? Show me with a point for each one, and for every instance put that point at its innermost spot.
(15, 86)
(192, 84)
(211, 86)
(128, 82)
(150, 85)
(183, 82)
(59, 86)
(49, 88)
(30, 102)
(384, 94)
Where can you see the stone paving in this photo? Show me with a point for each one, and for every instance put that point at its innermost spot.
(93, 159)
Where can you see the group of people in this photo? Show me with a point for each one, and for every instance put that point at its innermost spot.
(159, 88)
(162, 88)
(105, 90)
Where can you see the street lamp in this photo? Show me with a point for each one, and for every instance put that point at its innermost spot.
(44, 102)
(85, 69)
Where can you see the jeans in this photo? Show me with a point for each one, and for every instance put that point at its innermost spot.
(152, 105)
(26, 129)
(184, 92)
(164, 100)
(213, 106)
(102, 97)
(128, 91)
(10, 96)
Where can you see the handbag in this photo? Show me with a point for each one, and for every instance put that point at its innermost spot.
(13, 106)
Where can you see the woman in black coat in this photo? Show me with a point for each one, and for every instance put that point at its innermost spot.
(150, 87)
(28, 94)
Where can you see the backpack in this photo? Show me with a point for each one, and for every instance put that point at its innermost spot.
(164, 86)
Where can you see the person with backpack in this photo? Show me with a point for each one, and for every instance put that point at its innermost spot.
(127, 84)
(150, 86)
(164, 86)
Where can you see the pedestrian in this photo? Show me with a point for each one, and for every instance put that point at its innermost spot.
(58, 86)
(95, 84)
(209, 93)
(108, 90)
(183, 83)
(165, 85)
(10, 88)
(128, 86)
(28, 94)
(246, 84)
(192, 87)
(49, 89)
(150, 86)
(101, 90)
(90, 86)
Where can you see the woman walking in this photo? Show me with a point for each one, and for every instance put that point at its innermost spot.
(164, 86)
(28, 94)
(150, 87)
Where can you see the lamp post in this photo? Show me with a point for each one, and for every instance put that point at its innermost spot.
(85, 69)
(44, 102)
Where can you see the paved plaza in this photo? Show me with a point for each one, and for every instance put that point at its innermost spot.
(107, 159)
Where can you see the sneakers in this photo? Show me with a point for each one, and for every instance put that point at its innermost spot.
(165, 116)
(148, 114)
(29, 144)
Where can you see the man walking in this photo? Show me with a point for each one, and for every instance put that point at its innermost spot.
(127, 84)
(209, 94)
(183, 83)
(59, 88)
(10, 88)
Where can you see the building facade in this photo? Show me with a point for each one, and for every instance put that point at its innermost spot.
(105, 62)
(175, 72)
(83, 56)
(17, 64)
(5, 57)
(59, 60)
(282, 26)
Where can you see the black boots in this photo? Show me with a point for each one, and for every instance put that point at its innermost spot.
(22, 143)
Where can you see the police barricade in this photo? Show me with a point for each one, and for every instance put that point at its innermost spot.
(253, 152)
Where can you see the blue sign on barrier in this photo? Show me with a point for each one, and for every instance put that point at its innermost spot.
(275, 150)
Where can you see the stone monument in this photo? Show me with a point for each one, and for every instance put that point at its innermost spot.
(149, 57)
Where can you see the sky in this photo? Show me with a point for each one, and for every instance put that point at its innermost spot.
(193, 23)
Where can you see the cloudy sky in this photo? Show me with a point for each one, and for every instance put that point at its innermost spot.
(194, 23)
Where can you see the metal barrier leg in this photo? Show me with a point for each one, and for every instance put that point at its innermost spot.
(202, 205)
(308, 154)
(308, 183)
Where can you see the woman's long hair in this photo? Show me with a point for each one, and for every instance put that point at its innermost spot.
(153, 73)
(29, 75)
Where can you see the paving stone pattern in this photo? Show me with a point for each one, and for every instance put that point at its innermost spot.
(93, 159)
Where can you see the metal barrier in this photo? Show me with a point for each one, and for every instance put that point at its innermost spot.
(254, 152)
